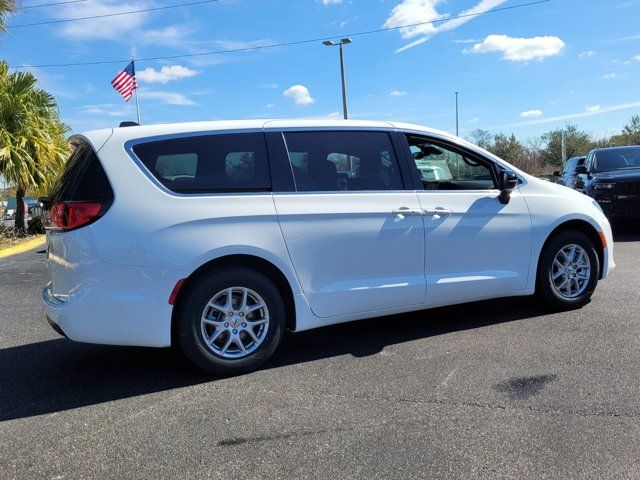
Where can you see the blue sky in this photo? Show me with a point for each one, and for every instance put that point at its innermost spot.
(525, 70)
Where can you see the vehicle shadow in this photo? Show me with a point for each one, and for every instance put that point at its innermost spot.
(58, 375)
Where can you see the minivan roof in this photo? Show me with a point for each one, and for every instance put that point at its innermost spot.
(125, 134)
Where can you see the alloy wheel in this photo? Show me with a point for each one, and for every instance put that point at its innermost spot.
(234, 322)
(570, 271)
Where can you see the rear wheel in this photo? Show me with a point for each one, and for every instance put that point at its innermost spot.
(568, 271)
(231, 321)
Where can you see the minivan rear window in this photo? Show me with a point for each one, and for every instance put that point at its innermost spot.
(208, 163)
(83, 178)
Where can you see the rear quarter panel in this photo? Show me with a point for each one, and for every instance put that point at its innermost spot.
(148, 226)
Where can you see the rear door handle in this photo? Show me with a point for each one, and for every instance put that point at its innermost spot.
(438, 211)
(407, 211)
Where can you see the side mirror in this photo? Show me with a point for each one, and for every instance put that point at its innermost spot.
(581, 169)
(556, 173)
(507, 182)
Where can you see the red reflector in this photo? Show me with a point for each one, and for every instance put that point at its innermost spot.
(176, 291)
(69, 215)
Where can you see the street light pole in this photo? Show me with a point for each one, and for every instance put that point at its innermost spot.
(457, 113)
(344, 41)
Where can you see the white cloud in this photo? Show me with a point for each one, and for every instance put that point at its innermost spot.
(329, 2)
(468, 40)
(108, 109)
(531, 113)
(610, 76)
(270, 105)
(106, 28)
(269, 85)
(409, 12)
(637, 58)
(593, 108)
(166, 74)
(173, 36)
(335, 114)
(397, 93)
(299, 94)
(588, 53)
(170, 98)
(520, 49)
(473, 120)
(571, 116)
(417, 11)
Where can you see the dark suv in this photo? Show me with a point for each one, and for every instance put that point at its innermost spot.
(612, 177)
(569, 173)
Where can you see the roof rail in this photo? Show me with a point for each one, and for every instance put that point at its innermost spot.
(129, 123)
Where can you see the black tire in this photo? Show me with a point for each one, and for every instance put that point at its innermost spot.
(545, 289)
(190, 337)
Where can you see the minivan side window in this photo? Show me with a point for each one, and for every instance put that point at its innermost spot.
(208, 163)
(443, 167)
(346, 160)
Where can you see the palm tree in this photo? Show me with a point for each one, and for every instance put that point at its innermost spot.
(32, 138)
(7, 7)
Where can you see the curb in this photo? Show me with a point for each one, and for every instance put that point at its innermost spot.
(23, 247)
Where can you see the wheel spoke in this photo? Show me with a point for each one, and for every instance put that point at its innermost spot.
(558, 274)
(255, 323)
(215, 336)
(252, 334)
(255, 307)
(215, 323)
(217, 307)
(238, 342)
(226, 345)
(229, 304)
(245, 293)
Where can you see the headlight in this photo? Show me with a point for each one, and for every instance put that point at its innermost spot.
(604, 186)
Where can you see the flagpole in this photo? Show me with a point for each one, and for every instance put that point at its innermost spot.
(133, 61)
(138, 106)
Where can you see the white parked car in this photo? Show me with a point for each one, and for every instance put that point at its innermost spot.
(219, 236)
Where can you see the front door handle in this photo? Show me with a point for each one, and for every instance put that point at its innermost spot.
(405, 211)
(439, 211)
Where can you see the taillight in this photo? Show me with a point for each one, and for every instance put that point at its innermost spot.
(70, 215)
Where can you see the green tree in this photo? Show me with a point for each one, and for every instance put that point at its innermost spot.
(578, 143)
(630, 133)
(507, 148)
(481, 138)
(7, 7)
(33, 146)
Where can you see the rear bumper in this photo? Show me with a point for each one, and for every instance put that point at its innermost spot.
(122, 305)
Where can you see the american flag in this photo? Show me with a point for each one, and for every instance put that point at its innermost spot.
(125, 82)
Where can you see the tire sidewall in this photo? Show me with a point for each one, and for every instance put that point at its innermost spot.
(544, 281)
(202, 290)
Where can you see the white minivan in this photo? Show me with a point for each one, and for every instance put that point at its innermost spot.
(219, 236)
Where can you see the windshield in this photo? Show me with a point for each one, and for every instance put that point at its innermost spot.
(617, 159)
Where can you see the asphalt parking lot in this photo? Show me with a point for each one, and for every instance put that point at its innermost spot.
(497, 389)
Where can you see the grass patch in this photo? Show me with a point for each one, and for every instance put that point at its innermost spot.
(9, 238)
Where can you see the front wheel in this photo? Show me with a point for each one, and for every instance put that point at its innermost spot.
(568, 271)
(231, 321)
